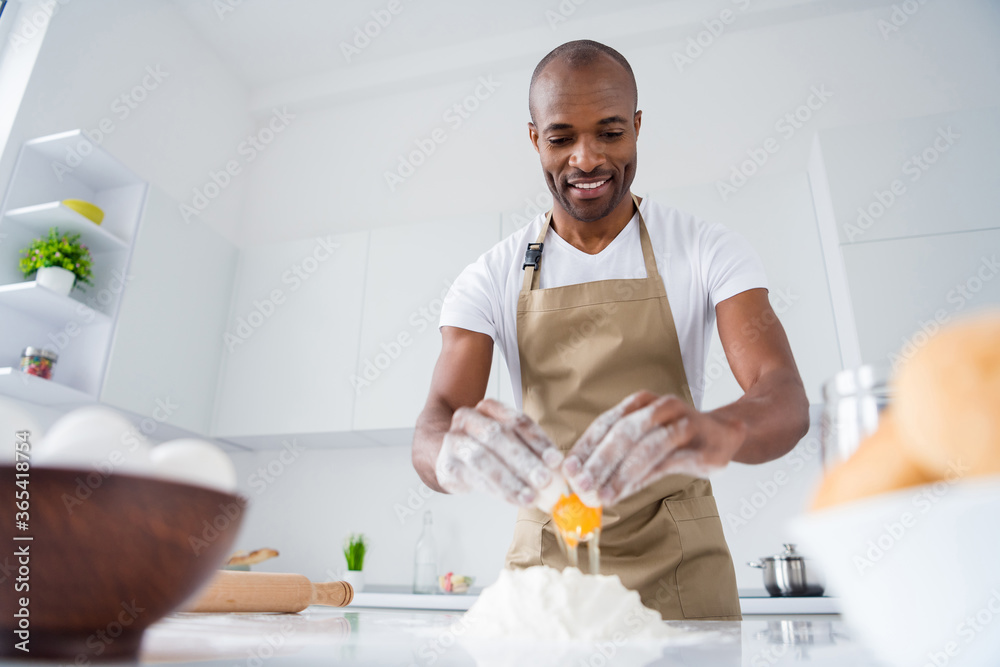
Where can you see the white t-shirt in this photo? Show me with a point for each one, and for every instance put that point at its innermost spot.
(702, 264)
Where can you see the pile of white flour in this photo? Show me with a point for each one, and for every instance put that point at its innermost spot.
(544, 603)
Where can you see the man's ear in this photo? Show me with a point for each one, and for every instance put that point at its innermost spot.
(533, 135)
(638, 122)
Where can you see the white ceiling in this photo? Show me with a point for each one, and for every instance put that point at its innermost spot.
(289, 51)
(271, 41)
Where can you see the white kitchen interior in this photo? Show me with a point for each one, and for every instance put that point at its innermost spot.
(307, 197)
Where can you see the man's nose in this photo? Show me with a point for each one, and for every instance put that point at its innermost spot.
(587, 155)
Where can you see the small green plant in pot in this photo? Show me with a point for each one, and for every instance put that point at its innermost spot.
(355, 548)
(57, 261)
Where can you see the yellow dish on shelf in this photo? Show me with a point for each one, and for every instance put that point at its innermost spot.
(86, 209)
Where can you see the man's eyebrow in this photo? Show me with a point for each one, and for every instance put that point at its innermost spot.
(610, 120)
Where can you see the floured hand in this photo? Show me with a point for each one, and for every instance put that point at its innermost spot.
(643, 439)
(496, 449)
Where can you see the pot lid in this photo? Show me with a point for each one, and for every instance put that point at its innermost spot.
(789, 553)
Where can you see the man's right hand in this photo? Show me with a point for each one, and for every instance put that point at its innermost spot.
(494, 448)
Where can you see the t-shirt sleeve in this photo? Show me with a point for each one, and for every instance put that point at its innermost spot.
(730, 265)
(470, 301)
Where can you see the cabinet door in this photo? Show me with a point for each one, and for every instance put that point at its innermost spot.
(410, 269)
(904, 290)
(777, 217)
(165, 355)
(292, 338)
(907, 210)
(913, 177)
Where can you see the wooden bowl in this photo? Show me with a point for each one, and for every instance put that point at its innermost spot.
(108, 556)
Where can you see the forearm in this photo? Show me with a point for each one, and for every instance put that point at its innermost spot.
(432, 424)
(772, 416)
(460, 378)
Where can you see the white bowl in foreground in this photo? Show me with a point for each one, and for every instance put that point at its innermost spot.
(918, 571)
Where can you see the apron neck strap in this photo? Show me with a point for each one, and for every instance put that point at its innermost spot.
(531, 272)
(647, 246)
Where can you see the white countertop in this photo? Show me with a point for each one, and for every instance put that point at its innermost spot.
(752, 602)
(324, 636)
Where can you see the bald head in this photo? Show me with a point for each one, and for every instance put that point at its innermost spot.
(578, 56)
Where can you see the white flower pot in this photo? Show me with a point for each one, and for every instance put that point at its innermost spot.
(356, 578)
(57, 279)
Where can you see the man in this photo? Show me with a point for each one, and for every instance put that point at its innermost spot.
(603, 310)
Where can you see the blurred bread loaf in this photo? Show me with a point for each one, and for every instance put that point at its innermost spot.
(944, 421)
(880, 465)
(948, 400)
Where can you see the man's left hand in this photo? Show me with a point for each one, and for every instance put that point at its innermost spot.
(643, 439)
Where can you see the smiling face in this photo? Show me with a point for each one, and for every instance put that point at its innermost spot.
(584, 127)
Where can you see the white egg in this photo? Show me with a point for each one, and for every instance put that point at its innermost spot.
(197, 462)
(15, 418)
(94, 438)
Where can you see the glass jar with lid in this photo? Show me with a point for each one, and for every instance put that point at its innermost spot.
(38, 361)
(852, 402)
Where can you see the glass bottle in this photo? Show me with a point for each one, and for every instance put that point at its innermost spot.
(425, 576)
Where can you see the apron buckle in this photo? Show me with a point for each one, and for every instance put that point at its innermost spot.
(533, 256)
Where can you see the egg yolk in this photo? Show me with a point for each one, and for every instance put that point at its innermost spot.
(576, 522)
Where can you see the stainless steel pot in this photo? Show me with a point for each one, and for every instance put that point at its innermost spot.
(789, 574)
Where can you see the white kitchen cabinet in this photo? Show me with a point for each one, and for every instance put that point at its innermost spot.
(907, 216)
(168, 344)
(904, 290)
(914, 176)
(410, 269)
(292, 339)
(776, 216)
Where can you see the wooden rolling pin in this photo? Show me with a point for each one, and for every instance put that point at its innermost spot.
(268, 591)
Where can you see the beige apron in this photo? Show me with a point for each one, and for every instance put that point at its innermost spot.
(583, 348)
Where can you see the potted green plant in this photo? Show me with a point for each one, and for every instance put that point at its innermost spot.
(57, 261)
(355, 548)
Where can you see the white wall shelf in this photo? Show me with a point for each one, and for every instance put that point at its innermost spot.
(97, 169)
(48, 171)
(47, 306)
(40, 391)
(41, 217)
(54, 394)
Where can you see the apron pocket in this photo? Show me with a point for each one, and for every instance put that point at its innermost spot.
(706, 579)
(526, 547)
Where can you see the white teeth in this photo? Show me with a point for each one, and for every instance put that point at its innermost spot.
(589, 186)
